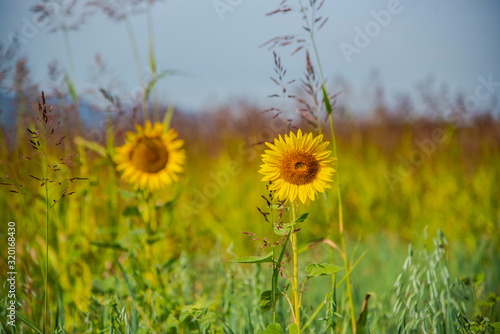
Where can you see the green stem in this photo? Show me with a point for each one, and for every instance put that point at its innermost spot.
(137, 60)
(320, 130)
(156, 107)
(46, 230)
(295, 282)
(332, 261)
(311, 36)
(275, 265)
(302, 290)
(152, 213)
(335, 153)
(284, 112)
(135, 49)
(72, 75)
(69, 56)
(341, 230)
(151, 228)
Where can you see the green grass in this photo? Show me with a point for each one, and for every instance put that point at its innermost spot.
(421, 214)
(100, 279)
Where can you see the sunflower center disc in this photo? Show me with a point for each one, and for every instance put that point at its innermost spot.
(299, 168)
(149, 155)
(299, 165)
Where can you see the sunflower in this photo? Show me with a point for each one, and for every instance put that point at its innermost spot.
(151, 157)
(299, 167)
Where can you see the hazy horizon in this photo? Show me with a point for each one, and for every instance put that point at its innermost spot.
(218, 51)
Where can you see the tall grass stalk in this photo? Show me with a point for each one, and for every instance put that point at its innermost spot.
(152, 62)
(40, 143)
(341, 229)
(137, 59)
(335, 154)
(71, 80)
(47, 207)
(284, 113)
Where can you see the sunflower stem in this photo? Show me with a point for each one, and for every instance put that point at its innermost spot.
(295, 281)
(275, 265)
(148, 219)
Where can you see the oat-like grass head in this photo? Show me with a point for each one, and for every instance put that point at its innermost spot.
(299, 167)
(151, 158)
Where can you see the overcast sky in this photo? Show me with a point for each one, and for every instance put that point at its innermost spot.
(454, 41)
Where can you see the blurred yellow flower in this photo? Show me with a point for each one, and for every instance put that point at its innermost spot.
(298, 166)
(151, 157)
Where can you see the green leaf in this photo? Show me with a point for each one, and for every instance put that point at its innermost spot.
(273, 328)
(302, 217)
(478, 279)
(134, 318)
(197, 312)
(168, 117)
(220, 316)
(185, 313)
(276, 271)
(293, 329)
(495, 325)
(71, 88)
(23, 319)
(284, 230)
(204, 305)
(363, 316)
(266, 300)
(155, 80)
(328, 105)
(255, 259)
(152, 62)
(322, 269)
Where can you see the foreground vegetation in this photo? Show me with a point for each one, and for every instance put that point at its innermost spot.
(406, 241)
(107, 271)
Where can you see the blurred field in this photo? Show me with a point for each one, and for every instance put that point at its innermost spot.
(393, 197)
(420, 180)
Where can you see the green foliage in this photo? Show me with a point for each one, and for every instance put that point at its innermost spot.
(256, 259)
(322, 269)
(100, 228)
(302, 217)
(156, 79)
(479, 325)
(363, 317)
(266, 300)
(293, 329)
(429, 299)
(326, 99)
(274, 328)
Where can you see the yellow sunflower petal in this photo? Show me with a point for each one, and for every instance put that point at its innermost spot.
(298, 165)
